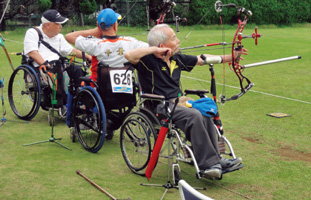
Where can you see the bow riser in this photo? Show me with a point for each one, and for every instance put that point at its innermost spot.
(237, 46)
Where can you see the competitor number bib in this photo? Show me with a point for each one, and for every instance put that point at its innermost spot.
(121, 81)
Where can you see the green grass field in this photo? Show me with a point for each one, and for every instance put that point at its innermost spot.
(276, 151)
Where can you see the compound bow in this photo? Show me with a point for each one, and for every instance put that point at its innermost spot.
(235, 66)
(237, 46)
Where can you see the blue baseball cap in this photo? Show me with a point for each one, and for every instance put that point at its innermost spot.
(107, 18)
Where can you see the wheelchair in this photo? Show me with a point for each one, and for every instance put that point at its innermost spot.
(99, 108)
(29, 89)
(141, 131)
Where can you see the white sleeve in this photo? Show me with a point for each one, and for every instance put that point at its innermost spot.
(87, 45)
(31, 41)
(141, 44)
(65, 47)
(137, 43)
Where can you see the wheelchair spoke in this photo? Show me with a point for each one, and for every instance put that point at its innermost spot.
(89, 120)
(24, 90)
(135, 140)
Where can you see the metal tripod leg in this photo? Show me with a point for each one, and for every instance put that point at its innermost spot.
(51, 139)
(168, 185)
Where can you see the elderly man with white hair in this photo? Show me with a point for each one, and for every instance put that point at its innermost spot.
(50, 29)
(46, 45)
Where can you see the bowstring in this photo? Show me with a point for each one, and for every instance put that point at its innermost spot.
(223, 63)
(186, 37)
(224, 52)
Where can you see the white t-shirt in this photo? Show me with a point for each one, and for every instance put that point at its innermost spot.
(109, 49)
(58, 42)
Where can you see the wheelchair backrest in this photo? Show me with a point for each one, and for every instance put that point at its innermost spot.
(116, 86)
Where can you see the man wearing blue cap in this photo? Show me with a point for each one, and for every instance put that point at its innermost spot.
(104, 44)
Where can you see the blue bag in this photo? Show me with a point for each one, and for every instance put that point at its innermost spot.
(206, 106)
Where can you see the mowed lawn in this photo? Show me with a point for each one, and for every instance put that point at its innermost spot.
(276, 152)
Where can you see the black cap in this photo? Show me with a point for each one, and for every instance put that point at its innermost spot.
(52, 15)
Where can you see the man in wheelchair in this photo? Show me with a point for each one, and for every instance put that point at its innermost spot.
(159, 69)
(108, 48)
(45, 46)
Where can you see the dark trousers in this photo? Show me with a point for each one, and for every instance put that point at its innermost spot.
(75, 73)
(200, 130)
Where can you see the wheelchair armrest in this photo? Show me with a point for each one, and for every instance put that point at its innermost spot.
(153, 96)
(197, 92)
(88, 80)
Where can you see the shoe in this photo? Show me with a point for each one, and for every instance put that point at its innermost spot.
(229, 163)
(231, 169)
(109, 135)
(213, 172)
(73, 134)
(32, 96)
(62, 111)
(28, 85)
(28, 81)
(30, 88)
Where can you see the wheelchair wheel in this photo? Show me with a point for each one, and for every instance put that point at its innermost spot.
(89, 119)
(24, 92)
(137, 138)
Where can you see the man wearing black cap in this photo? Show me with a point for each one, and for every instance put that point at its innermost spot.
(50, 28)
(49, 32)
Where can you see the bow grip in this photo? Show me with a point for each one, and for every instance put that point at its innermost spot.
(211, 59)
